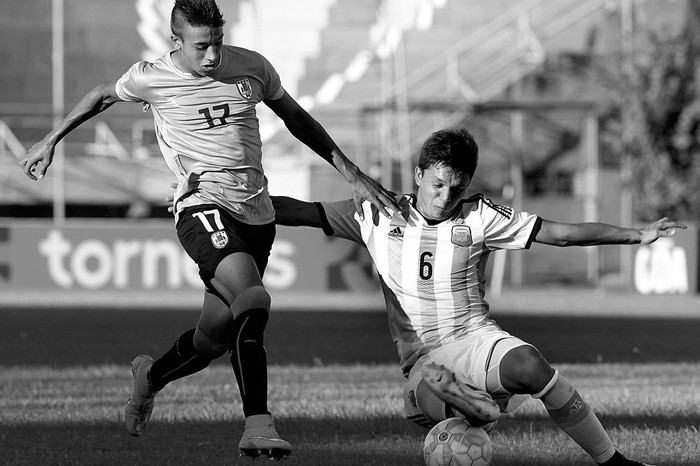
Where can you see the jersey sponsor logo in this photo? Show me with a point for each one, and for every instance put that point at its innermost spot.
(396, 233)
(461, 235)
(244, 88)
(219, 239)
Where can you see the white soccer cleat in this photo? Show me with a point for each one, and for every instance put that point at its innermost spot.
(475, 405)
(261, 438)
(140, 406)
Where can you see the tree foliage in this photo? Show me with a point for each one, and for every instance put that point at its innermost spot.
(660, 127)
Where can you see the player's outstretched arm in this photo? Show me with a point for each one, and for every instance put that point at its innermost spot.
(40, 155)
(295, 213)
(289, 211)
(309, 131)
(589, 234)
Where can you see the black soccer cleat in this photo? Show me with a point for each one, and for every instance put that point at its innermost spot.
(274, 454)
(618, 459)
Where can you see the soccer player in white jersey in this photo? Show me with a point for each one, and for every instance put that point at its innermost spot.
(431, 257)
(203, 96)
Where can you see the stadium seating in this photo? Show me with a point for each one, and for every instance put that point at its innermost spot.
(379, 82)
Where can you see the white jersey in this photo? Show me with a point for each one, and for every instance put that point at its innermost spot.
(208, 130)
(433, 276)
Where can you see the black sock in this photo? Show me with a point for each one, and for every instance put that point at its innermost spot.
(181, 360)
(249, 360)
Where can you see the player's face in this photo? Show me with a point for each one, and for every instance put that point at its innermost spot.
(439, 191)
(199, 49)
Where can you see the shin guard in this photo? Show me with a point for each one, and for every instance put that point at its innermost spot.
(575, 417)
(249, 360)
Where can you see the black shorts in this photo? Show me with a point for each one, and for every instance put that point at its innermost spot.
(209, 234)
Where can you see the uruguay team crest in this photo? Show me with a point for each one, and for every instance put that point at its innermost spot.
(219, 239)
(244, 88)
(461, 235)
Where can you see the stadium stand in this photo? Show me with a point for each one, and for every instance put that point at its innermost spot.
(379, 75)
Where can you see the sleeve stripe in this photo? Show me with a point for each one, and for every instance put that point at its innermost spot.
(507, 212)
(533, 233)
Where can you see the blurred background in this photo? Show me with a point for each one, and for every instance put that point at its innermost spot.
(584, 110)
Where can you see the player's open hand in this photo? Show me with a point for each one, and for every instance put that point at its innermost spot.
(37, 160)
(660, 229)
(366, 188)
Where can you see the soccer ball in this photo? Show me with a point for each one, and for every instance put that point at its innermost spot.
(453, 442)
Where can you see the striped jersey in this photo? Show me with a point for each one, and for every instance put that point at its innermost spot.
(208, 130)
(432, 276)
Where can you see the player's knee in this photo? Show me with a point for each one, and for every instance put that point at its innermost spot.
(524, 370)
(254, 297)
(206, 346)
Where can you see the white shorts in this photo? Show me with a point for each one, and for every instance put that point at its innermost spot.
(476, 360)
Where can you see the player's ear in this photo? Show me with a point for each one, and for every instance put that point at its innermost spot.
(176, 41)
(418, 175)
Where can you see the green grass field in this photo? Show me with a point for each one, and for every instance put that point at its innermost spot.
(332, 415)
(335, 390)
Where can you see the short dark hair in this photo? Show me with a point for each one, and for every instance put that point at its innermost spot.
(195, 13)
(454, 148)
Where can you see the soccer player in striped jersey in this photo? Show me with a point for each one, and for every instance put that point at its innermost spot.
(431, 257)
(203, 95)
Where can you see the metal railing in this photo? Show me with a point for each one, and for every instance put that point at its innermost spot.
(9, 144)
(486, 62)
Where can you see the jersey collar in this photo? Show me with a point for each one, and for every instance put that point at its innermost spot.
(408, 204)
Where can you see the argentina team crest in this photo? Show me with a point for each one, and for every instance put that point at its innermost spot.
(244, 88)
(219, 239)
(461, 235)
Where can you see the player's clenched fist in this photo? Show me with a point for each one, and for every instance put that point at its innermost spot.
(37, 160)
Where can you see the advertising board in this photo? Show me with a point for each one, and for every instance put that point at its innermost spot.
(669, 265)
(122, 256)
(141, 256)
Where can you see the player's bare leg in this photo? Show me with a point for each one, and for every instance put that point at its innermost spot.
(476, 405)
